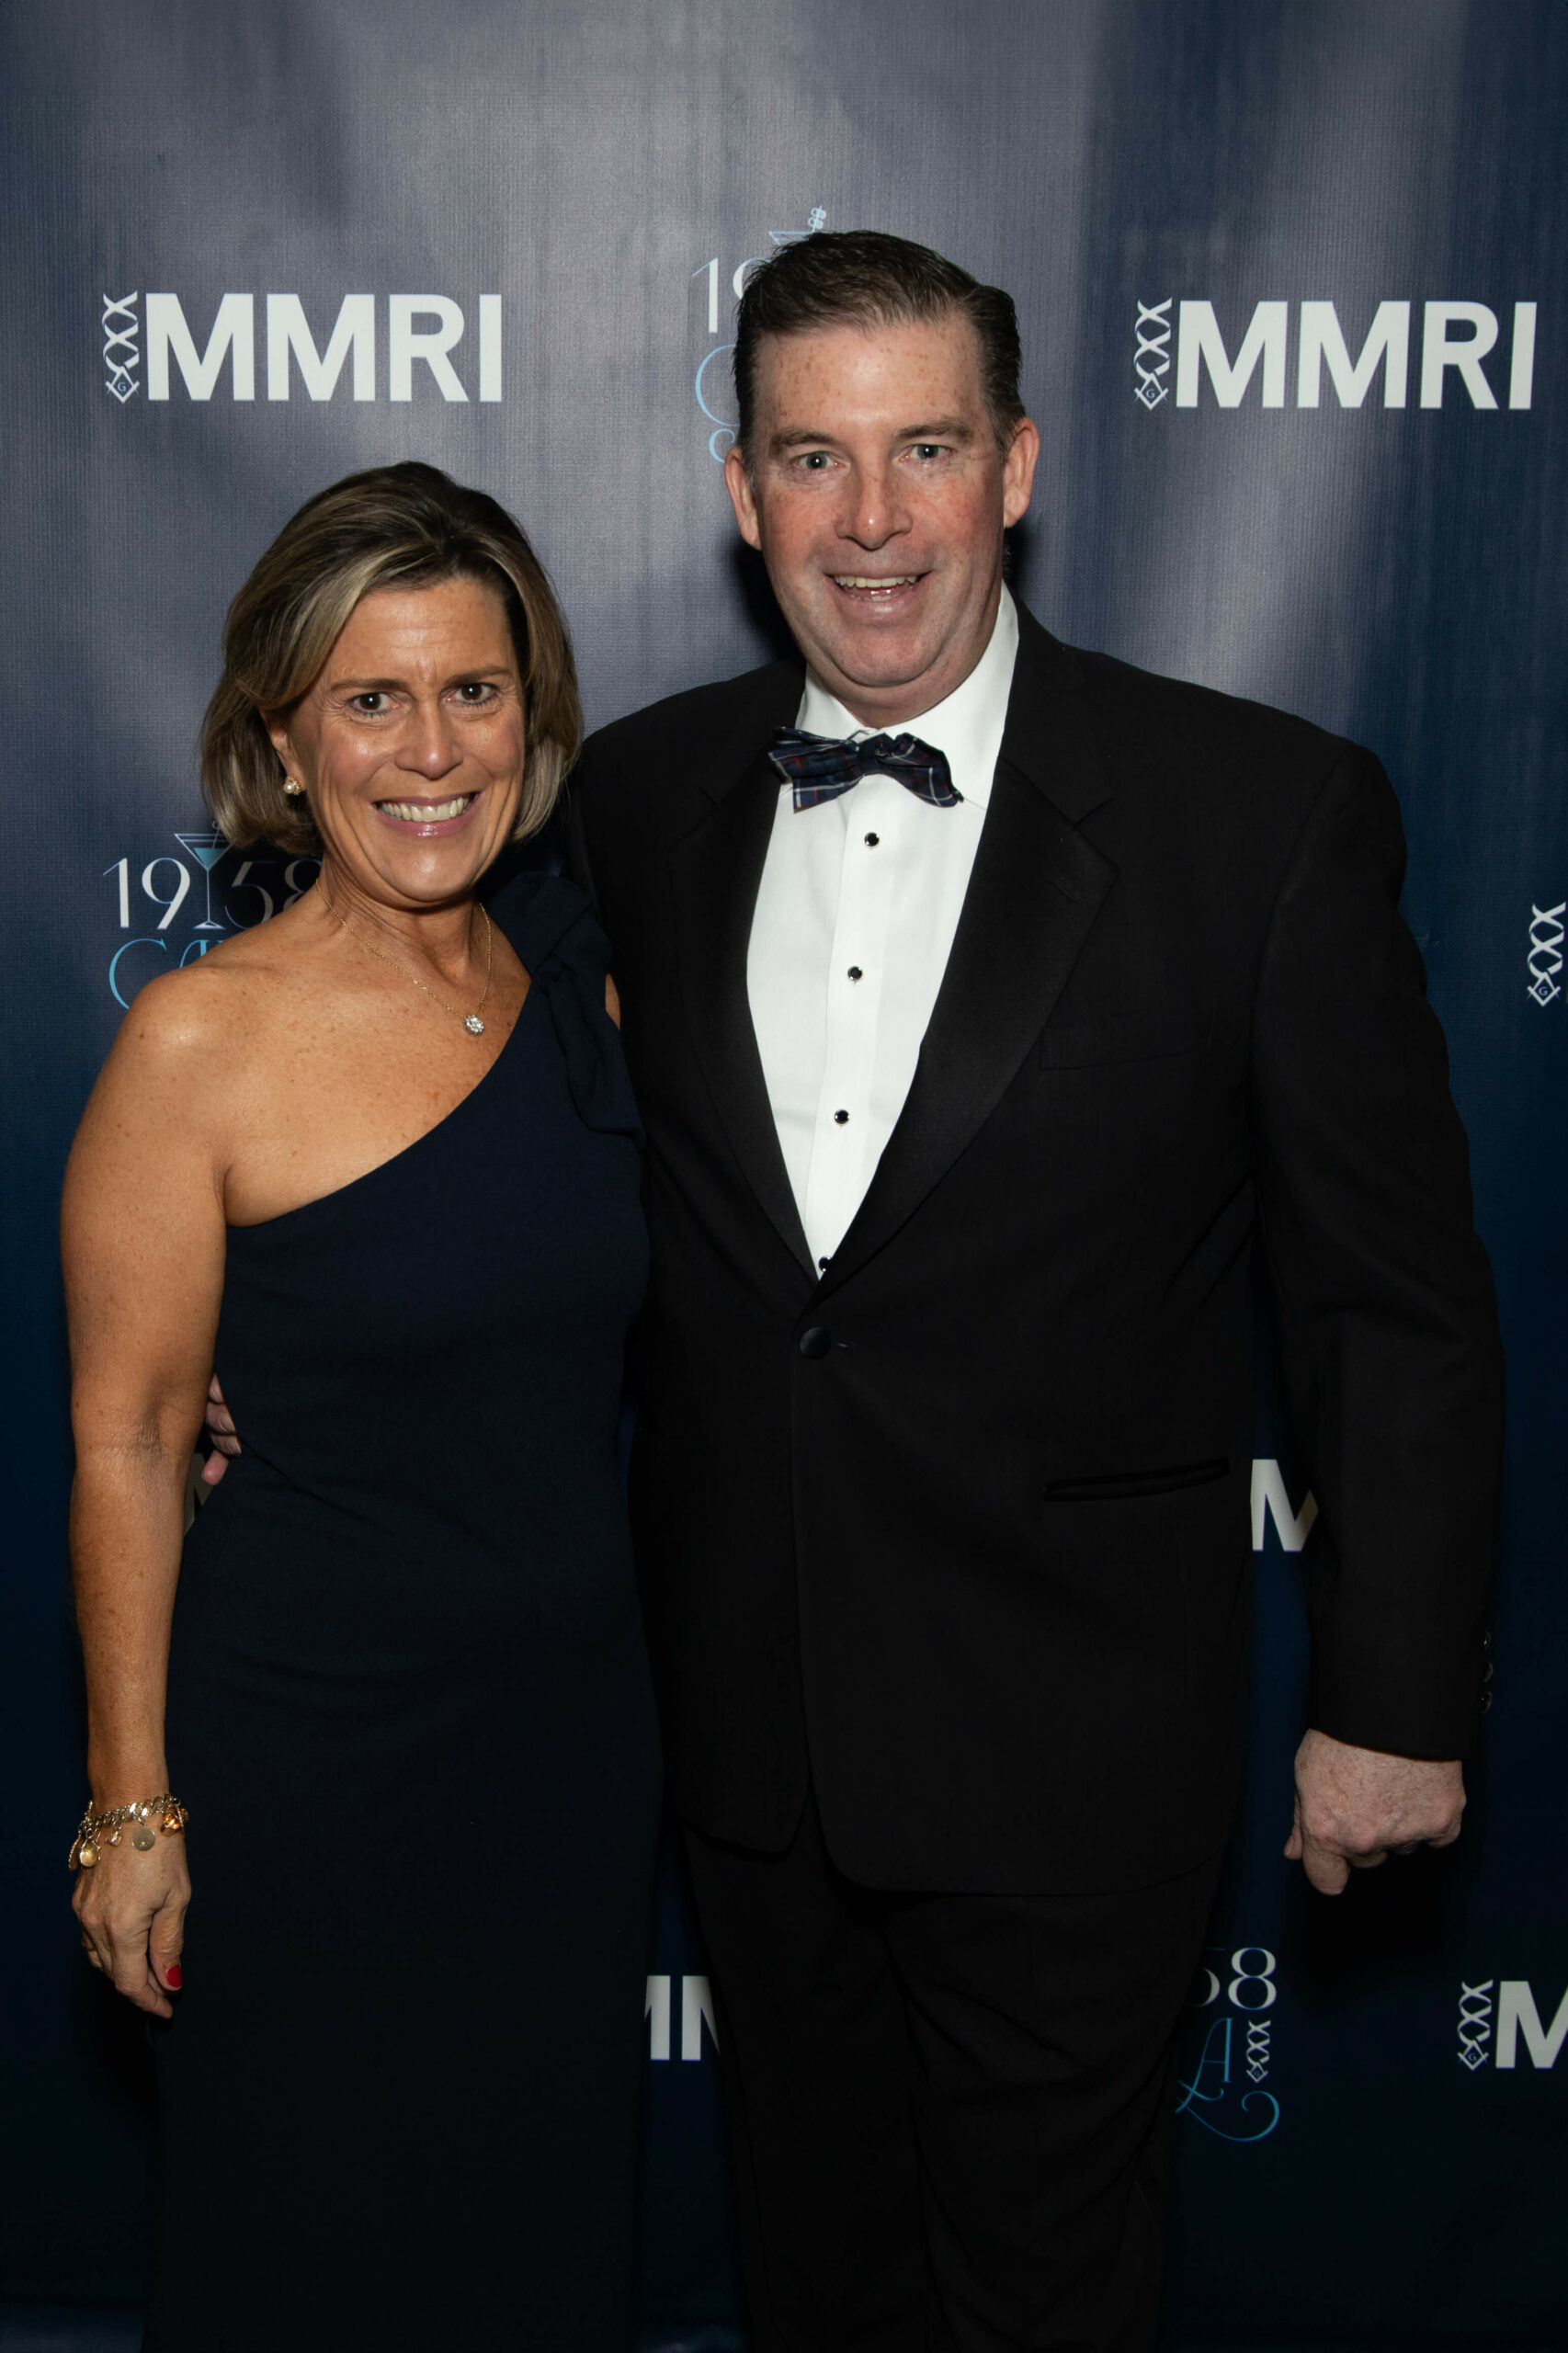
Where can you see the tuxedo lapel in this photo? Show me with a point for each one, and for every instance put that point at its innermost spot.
(1034, 894)
(716, 873)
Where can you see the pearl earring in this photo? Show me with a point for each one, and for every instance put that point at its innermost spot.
(293, 788)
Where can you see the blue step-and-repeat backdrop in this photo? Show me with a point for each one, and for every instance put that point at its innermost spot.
(1291, 280)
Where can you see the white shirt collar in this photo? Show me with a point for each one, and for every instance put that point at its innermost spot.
(967, 724)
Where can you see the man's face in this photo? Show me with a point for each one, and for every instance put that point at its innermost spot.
(878, 497)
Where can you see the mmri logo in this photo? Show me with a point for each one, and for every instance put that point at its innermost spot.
(1458, 345)
(1500, 2014)
(414, 330)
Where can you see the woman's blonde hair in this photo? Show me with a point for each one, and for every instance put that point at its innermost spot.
(403, 525)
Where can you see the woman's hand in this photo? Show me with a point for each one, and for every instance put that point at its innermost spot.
(131, 1907)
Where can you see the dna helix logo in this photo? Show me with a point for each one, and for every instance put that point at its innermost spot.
(1153, 332)
(1475, 2023)
(122, 351)
(1236, 2048)
(1545, 958)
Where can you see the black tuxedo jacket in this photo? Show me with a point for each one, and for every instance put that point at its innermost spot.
(959, 1532)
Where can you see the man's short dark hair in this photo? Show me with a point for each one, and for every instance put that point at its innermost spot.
(864, 277)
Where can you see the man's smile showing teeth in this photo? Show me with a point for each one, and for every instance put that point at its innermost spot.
(882, 586)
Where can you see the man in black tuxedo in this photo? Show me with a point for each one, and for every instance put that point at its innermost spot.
(975, 1063)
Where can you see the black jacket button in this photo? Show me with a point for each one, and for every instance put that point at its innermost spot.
(816, 1342)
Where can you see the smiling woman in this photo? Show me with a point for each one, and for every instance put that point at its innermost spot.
(376, 1166)
(402, 526)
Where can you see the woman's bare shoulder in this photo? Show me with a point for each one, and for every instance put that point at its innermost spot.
(157, 1109)
(226, 999)
(203, 1031)
(185, 1016)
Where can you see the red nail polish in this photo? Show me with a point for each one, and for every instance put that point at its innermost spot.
(172, 1975)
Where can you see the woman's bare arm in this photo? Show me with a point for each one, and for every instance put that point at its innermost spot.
(143, 1238)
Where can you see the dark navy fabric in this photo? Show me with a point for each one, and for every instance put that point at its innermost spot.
(409, 1709)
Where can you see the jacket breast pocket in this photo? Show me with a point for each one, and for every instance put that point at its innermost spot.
(1129, 1487)
(1123, 1038)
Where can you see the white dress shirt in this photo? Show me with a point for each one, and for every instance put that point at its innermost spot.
(859, 899)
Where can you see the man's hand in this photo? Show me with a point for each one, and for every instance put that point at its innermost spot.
(1355, 1807)
(220, 1428)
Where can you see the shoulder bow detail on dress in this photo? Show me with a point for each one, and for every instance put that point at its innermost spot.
(549, 923)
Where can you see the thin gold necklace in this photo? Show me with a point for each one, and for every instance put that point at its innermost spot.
(470, 1021)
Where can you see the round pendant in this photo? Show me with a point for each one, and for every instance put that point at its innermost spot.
(88, 1856)
(475, 1025)
(143, 1838)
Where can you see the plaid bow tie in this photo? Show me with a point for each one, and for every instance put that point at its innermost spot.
(820, 767)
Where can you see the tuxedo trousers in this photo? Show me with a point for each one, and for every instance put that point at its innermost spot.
(950, 2117)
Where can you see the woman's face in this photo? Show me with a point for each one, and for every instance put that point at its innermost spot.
(410, 743)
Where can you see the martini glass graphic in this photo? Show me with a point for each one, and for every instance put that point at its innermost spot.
(816, 218)
(208, 847)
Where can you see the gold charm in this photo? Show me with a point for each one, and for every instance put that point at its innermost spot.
(148, 1818)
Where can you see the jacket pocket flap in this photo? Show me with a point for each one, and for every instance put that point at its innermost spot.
(1119, 1487)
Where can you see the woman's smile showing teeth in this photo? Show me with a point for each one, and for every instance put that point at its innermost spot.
(429, 814)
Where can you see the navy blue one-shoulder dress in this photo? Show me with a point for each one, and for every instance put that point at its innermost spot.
(409, 1709)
